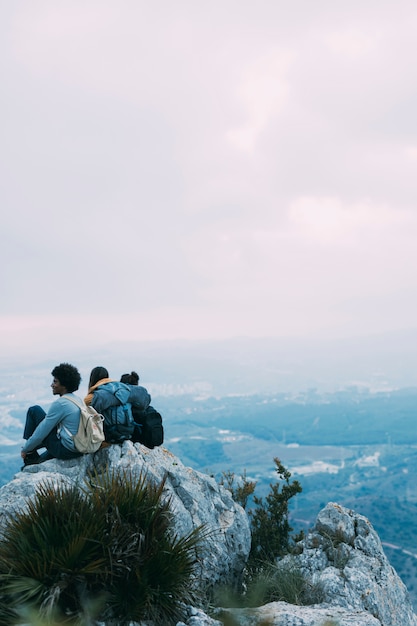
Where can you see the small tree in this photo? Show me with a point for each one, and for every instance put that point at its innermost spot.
(266, 580)
(270, 527)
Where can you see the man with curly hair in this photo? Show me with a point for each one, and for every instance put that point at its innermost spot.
(54, 430)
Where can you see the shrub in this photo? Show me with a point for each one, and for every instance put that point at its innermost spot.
(50, 550)
(151, 570)
(267, 579)
(241, 489)
(269, 523)
(106, 551)
(280, 582)
(270, 527)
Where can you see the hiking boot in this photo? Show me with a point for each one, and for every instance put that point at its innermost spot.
(31, 458)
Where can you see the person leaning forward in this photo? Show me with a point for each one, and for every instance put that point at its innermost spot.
(53, 430)
(107, 395)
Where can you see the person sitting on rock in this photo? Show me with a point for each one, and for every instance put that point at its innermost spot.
(140, 415)
(98, 376)
(115, 400)
(54, 430)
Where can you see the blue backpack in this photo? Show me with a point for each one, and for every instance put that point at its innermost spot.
(117, 412)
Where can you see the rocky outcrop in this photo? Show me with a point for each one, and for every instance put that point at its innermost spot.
(342, 554)
(195, 498)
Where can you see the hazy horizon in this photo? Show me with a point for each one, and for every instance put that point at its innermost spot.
(380, 362)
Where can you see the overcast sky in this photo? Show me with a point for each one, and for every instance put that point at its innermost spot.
(207, 169)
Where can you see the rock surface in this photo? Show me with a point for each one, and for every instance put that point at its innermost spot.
(342, 553)
(196, 499)
(344, 556)
(282, 614)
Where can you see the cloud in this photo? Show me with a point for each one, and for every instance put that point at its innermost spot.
(264, 90)
(203, 170)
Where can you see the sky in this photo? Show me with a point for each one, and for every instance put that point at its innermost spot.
(206, 170)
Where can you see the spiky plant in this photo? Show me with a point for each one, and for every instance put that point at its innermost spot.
(106, 551)
(49, 551)
(155, 575)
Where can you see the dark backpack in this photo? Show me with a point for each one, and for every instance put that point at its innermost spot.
(151, 430)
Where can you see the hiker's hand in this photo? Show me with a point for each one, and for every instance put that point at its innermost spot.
(23, 454)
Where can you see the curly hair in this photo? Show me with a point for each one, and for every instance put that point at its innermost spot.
(68, 376)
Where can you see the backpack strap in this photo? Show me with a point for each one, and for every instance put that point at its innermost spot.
(76, 404)
(124, 405)
(72, 400)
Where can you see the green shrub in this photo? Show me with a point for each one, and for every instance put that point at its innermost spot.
(269, 517)
(270, 527)
(50, 550)
(283, 581)
(268, 579)
(240, 488)
(151, 570)
(104, 552)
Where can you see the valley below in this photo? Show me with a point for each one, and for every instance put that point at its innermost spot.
(355, 447)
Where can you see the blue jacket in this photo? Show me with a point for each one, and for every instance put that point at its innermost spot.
(113, 393)
(114, 400)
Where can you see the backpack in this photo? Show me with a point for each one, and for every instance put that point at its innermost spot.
(118, 420)
(90, 435)
(152, 431)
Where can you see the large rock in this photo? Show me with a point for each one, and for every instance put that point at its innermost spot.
(196, 499)
(344, 554)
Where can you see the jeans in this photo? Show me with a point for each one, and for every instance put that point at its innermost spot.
(55, 449)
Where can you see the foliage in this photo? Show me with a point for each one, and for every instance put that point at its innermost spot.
(282, 582)
(279, 582)
(241, 489)
(267, 580)
(106, 551)
(269, 521)
(151, 570)
(50, 550)
(270, 527)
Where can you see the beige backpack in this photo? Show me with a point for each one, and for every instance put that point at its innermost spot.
(90, 434)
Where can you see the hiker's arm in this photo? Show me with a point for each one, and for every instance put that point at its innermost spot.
(51, 419)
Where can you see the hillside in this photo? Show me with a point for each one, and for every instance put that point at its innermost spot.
(353, 446)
